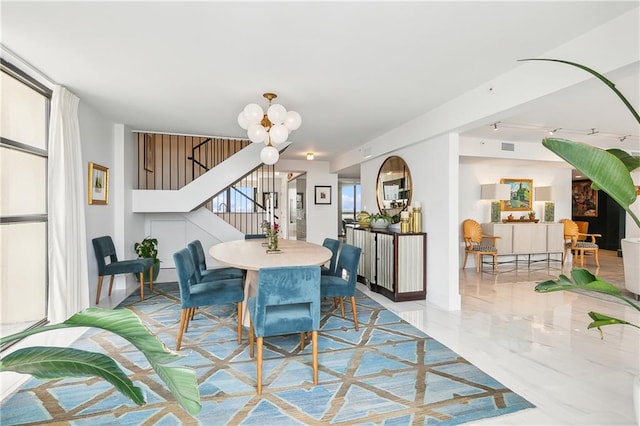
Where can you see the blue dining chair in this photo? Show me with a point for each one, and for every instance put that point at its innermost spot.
(254, 236)
(343, 282)
(204, 274)
(287, 301)
(334, 246)
(194, 294)
(103, 247)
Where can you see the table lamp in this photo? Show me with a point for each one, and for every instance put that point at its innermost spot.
(545, 193)
(495, 192)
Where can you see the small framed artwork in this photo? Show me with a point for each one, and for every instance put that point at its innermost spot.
(299, 201)
(267, 196)
(98, 184)
(584, 200)
(323, 194)
(521, 198)
(149, 152)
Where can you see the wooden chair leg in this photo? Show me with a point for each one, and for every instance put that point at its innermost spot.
(111, 284)
(464, 263)
(141, 286)
(355, 313)
(302, 341)
(100, 278)
(239, 322)
(151, 278)
(342, 306)
(259, 366)
(314, 355)
(478, 261)
(183, 318)
(495, 262)
(251, 338)
(595, 253)
(581, 254)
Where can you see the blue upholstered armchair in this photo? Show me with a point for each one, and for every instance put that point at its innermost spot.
(343, 283)
(204, 274)
(334, 246)
(194, 294)
(287, 302)
(103, 248)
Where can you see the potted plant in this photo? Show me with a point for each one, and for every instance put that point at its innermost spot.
(610, 171)
(148, 248)
(53, 362)
(380, 220)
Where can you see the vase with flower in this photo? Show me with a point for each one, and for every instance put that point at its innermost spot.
(272, 237)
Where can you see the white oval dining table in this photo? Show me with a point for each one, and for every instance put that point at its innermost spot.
(251, 255)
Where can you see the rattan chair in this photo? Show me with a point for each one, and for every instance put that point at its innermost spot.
(473, 244)
(573, 243)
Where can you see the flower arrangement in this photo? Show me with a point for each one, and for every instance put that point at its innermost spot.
(271, 231)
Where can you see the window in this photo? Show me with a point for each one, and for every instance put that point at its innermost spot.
(235, 199)
(351, 201)
(23, 200)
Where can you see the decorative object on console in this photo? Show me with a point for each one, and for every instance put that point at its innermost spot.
(496, 193)
(520, 195)
(271, 128)
(416, 218)
(545, 193)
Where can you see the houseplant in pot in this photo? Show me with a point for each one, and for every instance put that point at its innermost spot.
(148, 248)
(610, 171)
(380, 220)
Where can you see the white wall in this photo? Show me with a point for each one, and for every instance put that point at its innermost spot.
(434, 172)
(321, 219)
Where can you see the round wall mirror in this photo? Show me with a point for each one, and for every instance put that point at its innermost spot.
(394, 186)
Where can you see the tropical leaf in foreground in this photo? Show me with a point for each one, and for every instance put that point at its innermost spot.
(181, 381)
(55, 363)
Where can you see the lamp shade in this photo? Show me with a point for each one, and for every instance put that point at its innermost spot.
(495, 191)
(544, 193)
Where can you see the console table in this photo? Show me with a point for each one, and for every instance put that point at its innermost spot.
(393, 264)
(527, 238)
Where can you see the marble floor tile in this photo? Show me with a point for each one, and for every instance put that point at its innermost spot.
(538, 345)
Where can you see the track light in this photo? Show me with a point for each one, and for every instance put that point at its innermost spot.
(623, 138)
(551, 132)
(495, 126)
(593, 131)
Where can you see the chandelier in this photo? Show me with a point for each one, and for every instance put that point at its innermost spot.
(271, 128)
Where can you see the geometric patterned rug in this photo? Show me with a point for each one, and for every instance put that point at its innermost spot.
(387, 373)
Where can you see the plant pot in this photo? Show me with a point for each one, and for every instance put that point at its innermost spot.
(630, 256)
(379, 224)
(156, 271)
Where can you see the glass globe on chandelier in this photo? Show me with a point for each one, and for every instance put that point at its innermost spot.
(271, 128)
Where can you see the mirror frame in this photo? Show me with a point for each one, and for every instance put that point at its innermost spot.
(405, 183)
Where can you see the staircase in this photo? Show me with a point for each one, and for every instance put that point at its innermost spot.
(200, 188)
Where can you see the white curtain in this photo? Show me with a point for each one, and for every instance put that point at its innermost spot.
(68, 273)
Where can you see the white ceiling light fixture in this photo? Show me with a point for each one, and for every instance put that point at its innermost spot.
(310, 156)
(272, 127)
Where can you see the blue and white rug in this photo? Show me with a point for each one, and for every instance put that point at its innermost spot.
(386, 373)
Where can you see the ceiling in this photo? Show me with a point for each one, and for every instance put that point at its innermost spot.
(353, 70)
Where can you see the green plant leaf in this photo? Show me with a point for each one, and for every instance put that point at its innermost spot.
(599, 77)
(181, 381)
(582, 276)
(605, 170)
(54, 363)
(629, 160)
(600, 320)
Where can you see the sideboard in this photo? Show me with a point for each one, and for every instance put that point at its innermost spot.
(393, 264)
(527, 238)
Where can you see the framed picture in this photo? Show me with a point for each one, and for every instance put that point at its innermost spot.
(149, 152)
(266, 196)
(584, 200)
(323, 194)
(98, 184)
(299, 201)
(521, 198)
